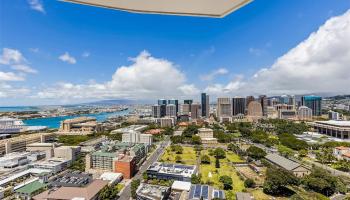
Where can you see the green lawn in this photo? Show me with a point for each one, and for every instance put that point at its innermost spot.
(188, 156)
(225, 169)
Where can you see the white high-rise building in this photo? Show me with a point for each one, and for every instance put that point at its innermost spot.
(135, 137)
(171, 110)
(156, 111)
(304, 113)
(224, 107)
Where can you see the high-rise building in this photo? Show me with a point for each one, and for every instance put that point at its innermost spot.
(304, 113)
(156, 111)
(313, 102)
(263, 102)
(249, 99)
(224, 107)
(188, 101)
(195, 110)
(185, 109)
(287, 99)
(171, 110)
(333, 115)
(162, 103)
(255, 109)
(176, 103)
(238, 106)
(205, 104)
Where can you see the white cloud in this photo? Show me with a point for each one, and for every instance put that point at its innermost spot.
(189, 90)
(10, 76)
(213, 74)
(319, 64)
(16, 61)
(67, 58)
(146, 77)
(24, 68)
(37, 5)
(11, 56)
(8, 91)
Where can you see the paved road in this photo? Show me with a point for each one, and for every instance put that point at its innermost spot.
(126, 193)
(331, 170)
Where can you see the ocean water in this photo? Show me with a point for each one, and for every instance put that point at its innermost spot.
(54, 122)
(18, 109)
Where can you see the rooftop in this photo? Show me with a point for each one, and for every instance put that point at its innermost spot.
(282, 161)
(181, 185)
(165, 168)
(335, 123)
(205, 8)
(31, 187)
(155, 192)
(67, 193)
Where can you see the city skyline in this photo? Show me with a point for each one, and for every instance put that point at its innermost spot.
(70, 55)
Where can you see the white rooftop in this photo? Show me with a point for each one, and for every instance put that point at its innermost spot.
(335, 123)
(181, 185)
(205, 8)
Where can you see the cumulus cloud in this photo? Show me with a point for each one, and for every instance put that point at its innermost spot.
(10, 76)
(36, 5)
(67, 58)
(8, 91)
(15, 60)
(146, 77)
(213, 74)
(11, 56)
(318, 64)
(24, 68)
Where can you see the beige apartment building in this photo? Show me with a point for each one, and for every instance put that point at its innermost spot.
(80, 125)
(19, 144)
(207, 136)
(224, 109)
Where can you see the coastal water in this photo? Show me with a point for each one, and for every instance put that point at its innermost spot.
(54, 122)
(18, 109)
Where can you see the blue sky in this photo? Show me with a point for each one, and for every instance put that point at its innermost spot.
(98, 41)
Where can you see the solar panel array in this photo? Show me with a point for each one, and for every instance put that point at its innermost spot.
(199, 191)
(218, 194)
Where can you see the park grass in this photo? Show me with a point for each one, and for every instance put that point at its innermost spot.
(119, 187)
(260, 195)
(225, 169)
(188, 156)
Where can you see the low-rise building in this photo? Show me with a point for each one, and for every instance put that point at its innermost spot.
(80, 126)
(72, 179)
(48, 148)
(27, 191)
(167, 171)
(67, 152)
(53, 164)
(89, 192)
(19, 144)
(295, 168)
(338, 129)
(152, 192)
(206, 192)
(113, 178)
(207, 136)
(342, 153)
